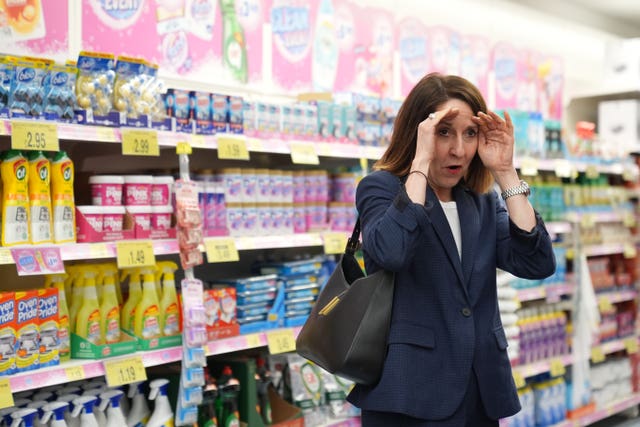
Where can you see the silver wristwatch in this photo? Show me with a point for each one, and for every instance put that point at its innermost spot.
(523, 188)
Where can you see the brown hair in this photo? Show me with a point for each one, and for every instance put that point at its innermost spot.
(431, 91)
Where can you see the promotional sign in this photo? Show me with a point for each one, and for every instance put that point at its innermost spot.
(374, 51)
(414, 53)
(505, 67)
(346, 35)
(527, 80)
(550, 87)
(475, 52)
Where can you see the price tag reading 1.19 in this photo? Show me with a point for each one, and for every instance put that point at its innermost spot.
(135, 254)
(140, 143)
(124, 371)
(34, 136)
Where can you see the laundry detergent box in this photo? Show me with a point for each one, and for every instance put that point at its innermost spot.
(49, 327)
(7, 333)
(27, 331)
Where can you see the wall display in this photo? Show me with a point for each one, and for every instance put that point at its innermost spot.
(475, 61)
(414, 52)
(347, 36)
(34, 27)
(527, 80)
(444, 52)
(551, 86)
(374, 58)
(505, 65)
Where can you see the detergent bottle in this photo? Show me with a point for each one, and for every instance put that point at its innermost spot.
(162, 413)
(15, 198)
(40, 198)
(139, 414)
(169, 306)
(83, 407)
(128, 312)
(64, 212)
(147, 316)
(64, 333)
(24, 417)
(89, 319)
(109, 308)
(75, 284)
(53, 414)
(110, 401)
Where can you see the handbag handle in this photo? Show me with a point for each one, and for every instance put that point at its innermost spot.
(353, 243)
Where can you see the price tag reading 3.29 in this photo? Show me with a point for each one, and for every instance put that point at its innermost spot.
(140, 143)
(135, 254)
(34, 136)
(124, 371)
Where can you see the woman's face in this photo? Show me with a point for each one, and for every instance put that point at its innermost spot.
(455, 145)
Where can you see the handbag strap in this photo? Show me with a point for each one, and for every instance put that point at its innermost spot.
(353, 243)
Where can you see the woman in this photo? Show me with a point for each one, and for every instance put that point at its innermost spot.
(429, 215)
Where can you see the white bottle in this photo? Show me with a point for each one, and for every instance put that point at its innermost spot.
(83, 407)
(57, 411)
(5, 416)
(24, 417)
(37, 405)
(69, 398)
(162, 414)
(110, 401)
(139, 414)
(101, 418)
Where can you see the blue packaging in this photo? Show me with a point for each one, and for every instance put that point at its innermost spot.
(235, 116)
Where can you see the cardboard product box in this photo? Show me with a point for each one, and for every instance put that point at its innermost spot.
(619, 124)
(622, 64)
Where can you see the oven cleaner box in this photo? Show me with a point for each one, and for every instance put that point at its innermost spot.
(7, 333)
(27, 331)
(49, 327)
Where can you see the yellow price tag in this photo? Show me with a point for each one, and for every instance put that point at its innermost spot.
(592, 172)
(587, 221)
(6, 397)
(519, 379)
(253, 341)
(334, 243)
(605, 304)
(303, 154)
(135, 254)
(34, 136)
(74, 374)
(629, 251)
(631, 344)
(557, 368)
(563, 168)
(105, 133)
(529, 166)
(124, 371)
(597, 355)
(6, 257)
(98, 250)
(183, 148)
(281, 341)
(629, 219)
(140, 142)
(570, 254)
(221, 250)
(198, 141)
(627, 174)
(232, 148)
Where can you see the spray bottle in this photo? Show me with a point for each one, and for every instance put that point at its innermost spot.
(128, 312)
(64, 214)
(125, 405)
(5, 416)
(110, 401)
(169, 307)
(98, 413)
(147, 317)
(227, 404)
(83, 406)
(75, 284)
(162, 414)
(38, 405)
(89, 318)
(24, 417)
(140, 412)
(109, 308)
(64, 336)
(68, 399)
(57, 411)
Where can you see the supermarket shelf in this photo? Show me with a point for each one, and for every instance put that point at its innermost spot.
(581, 166)
(604, 249)
(243, 342)
(81, 369)
(347, 422)
(617, 296)
(601, 414)
(558, 227)
(551, 292)
(594, 217)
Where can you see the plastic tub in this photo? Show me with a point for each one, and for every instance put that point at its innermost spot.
(141, 216)
(161, 190)
(161, 217)
(137, 190)
(94, 216)
(113, 218)
(106, 190)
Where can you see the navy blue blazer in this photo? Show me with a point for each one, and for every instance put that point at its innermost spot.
(445, 318)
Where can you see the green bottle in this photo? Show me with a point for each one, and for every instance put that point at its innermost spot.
(234, 46)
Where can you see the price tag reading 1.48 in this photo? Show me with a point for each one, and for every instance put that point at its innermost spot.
(232, 148)
(124, 371)
(135, 254)
(34, 136)
(281, 341)
(140, 143)
(221, 250)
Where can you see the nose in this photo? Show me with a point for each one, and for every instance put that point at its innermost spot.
(457, 148)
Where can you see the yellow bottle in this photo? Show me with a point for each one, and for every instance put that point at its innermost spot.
(64, 210)
(64, 334)
(147, 317)
(15, 199)
(40, 198)
(109, 308)
(128, 312)
(88, 320)
(75, 284)
(169, 308)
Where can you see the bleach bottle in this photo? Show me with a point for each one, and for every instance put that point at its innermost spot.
(162, 414)
(57, 411)
(37, 405)
(98, 413)
(139, 414)
(83, 408)
(24, 417)
(69, 398)
(110, 402)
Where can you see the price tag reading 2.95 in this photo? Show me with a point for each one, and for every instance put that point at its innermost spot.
(140, 143)
(124, 371)
(34, 136)
(135, 254)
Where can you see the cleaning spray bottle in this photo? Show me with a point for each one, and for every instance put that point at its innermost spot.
(162, 414)
(125, 405)
(89, 318)
(40, 198)
(109, 308)
(227, 404)
(128, 312)
(24, 417)
(75, 283)
(147, 317)
(83, 408)
(57, 411)
(15, 198)
(98, 413)
(110, 401)
(64, 337)
(38, 405)
(234, 46)
(68, 399)
(64, 212)
(140, 412)
(169, 307)
(5, 416)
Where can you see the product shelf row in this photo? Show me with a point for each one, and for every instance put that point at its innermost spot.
(609, 410)
(348, 422)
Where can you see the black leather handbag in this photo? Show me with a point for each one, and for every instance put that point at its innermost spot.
(346, 332)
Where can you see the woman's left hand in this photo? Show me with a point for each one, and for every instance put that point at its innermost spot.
(495, 146)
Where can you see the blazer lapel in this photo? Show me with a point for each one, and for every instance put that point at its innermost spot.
(443, 231)
(470, 228)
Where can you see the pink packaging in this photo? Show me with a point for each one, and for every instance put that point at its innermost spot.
(137, 190)
(275, 185)
(298, 187)
(287, 218)
(235, 222)
(141, 216)
(250, 219)
(265, 221)
(263, 192)
(338, 216)
(249, 185)
(94, 216)
(209, 205)
(106, 190)
(161, 217)
(315, 215)
(113, 218)
(232, 181)
(299, 218)
(161, 190)
(287, 187)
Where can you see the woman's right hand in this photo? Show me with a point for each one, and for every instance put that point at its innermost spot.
(426, 141)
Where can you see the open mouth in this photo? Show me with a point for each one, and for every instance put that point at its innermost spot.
(454, 168)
